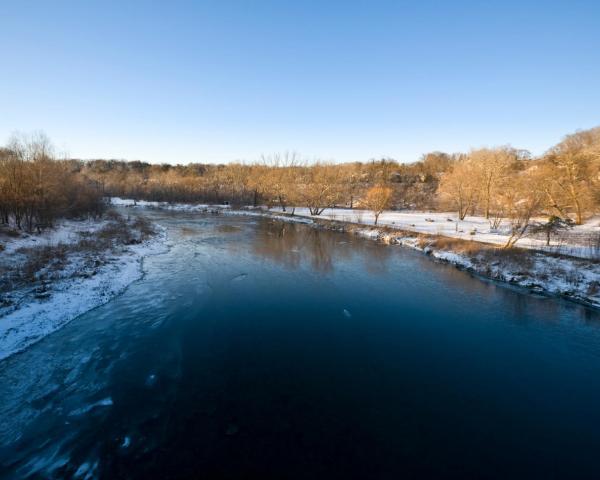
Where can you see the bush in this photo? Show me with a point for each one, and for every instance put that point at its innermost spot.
(113, 215)
(467, 247)
(593, 289)
(144, 226)
(516, 259)
(41, 258)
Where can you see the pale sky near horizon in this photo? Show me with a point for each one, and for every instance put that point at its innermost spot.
(217, 81)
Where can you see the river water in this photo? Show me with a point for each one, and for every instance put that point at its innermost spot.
(257, 349)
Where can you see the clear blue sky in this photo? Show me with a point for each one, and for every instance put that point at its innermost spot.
(214, 81)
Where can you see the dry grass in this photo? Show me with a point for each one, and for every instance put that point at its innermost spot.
(593, 289)
(457, 245)
(144, 226)
(113, 215)
(516, 259)
(10, 232)
(44, 258)
(46, 262)
(479, 252)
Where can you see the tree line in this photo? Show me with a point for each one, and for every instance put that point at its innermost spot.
(499, 183)
(36, 188)
(503, 183)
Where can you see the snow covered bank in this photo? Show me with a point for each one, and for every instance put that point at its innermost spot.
(177, 207)
(84, 280)
(567, 277)
(575, 242)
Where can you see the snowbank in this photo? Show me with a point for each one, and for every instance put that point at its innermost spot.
(66, 233)
(177, 207)
(447, 224)
(571, 278)
(75, 294)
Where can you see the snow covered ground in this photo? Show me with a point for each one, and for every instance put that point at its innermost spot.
(471, 228)
(66, 233)
(178, 207)
(78, 288)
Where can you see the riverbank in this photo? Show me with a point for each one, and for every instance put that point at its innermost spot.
(48, 280)
(572, 278)
(562, 272)
(581, 241)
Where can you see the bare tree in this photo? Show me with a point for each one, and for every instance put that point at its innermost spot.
(35, 188)
(319, 187)
(490, 168)
(573, 165)
(458, 189)
(522, 201)
(278, 178)
(378, 199)
(553, 226)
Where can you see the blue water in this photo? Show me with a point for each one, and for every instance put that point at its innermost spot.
(255, 349)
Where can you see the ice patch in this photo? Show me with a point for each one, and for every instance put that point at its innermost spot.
(74, 296)
(86, 470)
(105, 402)
(151, 380)
(82, 470)
(45, 465)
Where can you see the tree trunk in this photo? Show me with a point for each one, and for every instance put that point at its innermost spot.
(579, 214)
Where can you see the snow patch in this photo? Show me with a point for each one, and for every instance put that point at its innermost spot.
(72, 297)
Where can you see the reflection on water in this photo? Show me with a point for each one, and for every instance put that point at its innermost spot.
(266, 350)
(293, 245)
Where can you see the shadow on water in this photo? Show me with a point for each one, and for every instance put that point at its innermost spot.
(256, 349)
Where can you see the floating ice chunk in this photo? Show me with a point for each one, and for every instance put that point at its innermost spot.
(105, 402)
(151, 380)
(86, 471)
(82, 470)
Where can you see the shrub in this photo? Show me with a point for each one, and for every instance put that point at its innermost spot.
(113, 215)
(144, 226)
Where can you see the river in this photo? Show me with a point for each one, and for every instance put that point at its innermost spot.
(258, 349)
